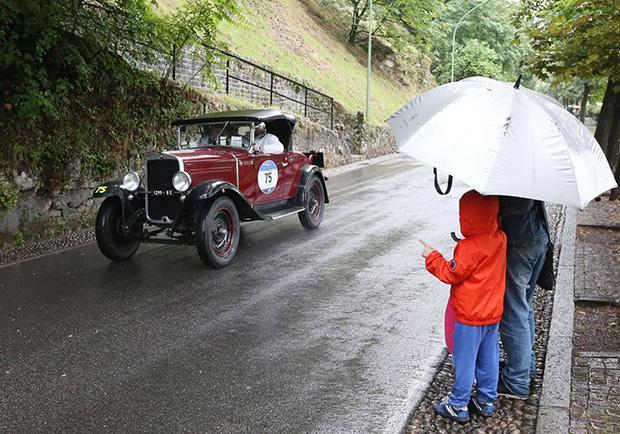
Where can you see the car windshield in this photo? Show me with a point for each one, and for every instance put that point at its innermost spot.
(228, 133)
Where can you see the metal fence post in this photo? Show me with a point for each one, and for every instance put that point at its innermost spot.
(320, 109)
(227, 74)
(271, 90)
(306, 102)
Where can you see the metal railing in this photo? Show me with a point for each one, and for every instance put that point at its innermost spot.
(273, 91)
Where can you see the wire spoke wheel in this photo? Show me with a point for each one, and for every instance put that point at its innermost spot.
(217, 235)
(312, 215)
(221, 232)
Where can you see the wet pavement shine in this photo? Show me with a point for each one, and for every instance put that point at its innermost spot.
(334, 330)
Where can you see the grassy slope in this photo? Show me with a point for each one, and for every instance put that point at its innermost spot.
(302, 39)
(307, 41)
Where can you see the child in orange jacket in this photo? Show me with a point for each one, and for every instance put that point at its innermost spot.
(477, 274)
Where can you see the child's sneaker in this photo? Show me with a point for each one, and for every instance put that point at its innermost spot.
(445, 409)
(484, 409)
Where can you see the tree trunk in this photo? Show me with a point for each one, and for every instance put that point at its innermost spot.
(613, 138)
(355, 24)
(584, 101)
(615, 193)
(613, 148)
(605, 117)
(355, 21)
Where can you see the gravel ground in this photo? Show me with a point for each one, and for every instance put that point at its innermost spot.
(597, 319)
(597, 255)
(34, 248)
(512, 416)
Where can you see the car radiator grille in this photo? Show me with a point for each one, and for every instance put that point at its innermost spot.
(162, 200)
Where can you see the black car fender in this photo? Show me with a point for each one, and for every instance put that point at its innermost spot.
(132, 203)
(111, 188)
(208, 190)
(307, 173)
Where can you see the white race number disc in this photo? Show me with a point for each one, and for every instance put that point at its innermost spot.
(267, 177)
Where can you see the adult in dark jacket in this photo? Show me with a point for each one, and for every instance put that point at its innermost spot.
(525, 223)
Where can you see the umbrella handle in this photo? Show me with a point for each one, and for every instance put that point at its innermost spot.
(438, 188)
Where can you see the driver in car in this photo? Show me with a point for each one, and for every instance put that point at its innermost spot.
(211, 136)
(266, 143)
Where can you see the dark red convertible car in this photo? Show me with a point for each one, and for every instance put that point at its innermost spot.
(200, 192)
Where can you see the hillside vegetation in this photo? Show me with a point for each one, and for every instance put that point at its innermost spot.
(70, 103)
(307, 40)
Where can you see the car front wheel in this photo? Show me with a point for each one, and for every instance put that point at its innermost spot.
(111, 239)
(218, 233)
(312, 215)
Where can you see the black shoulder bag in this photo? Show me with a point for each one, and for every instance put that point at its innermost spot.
(546, 278)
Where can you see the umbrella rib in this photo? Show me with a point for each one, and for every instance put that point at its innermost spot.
(507, 126)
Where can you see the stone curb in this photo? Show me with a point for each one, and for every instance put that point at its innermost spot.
(554, 407)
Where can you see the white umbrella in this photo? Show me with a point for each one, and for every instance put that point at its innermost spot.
(504, 139)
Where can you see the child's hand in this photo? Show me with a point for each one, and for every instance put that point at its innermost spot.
(427, 249)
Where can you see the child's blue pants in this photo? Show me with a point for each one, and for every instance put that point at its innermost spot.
(475, 356)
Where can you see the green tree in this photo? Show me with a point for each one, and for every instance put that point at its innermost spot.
(475, 58)
(69, 89)
(491, 25)
(580, 38)
(48, 48)
(398, 21)
(195, 23)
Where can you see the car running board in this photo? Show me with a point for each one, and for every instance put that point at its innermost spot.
(283, 213)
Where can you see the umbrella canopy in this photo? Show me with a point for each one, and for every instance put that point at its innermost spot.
(504, 139)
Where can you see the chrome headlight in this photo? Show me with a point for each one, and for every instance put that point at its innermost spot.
(131, 181)
(181, 181)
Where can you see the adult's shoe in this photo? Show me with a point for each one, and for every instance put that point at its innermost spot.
(504, 390)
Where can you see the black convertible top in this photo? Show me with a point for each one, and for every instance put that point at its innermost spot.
(264, 115)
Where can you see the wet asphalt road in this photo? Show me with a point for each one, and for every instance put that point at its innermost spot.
(334, 330)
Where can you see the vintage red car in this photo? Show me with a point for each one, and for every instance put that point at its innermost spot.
(221, 174)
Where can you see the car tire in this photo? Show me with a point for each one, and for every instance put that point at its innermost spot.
(218, 231)
(314, 206)
(111, 239)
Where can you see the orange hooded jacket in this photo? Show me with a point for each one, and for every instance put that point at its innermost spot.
(478, 271)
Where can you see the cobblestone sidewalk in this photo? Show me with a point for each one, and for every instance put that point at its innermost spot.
(595, 395)
(595, 387)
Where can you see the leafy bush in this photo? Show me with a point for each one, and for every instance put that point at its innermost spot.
(9, 194)
(69, 92)
(18, 238)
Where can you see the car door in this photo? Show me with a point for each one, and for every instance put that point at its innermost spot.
(293, 164)
(268, 176)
